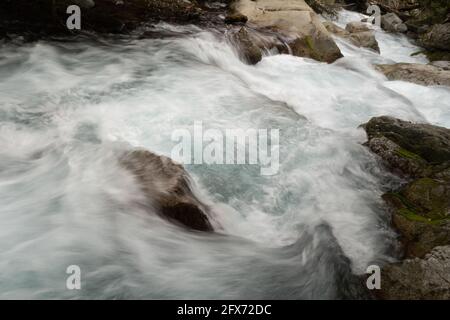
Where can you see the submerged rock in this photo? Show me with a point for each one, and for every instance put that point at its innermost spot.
(295, 22)
(167, 187)
(418, 279)
(428, 75)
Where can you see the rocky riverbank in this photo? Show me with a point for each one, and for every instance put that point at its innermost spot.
(420, 208)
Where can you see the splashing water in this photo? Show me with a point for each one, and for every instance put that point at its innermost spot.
(67, 107)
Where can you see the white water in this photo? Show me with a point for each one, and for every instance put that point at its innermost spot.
(66, 108)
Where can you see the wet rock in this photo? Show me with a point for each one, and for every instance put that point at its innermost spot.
(365, 39)
(445, 65)
(419, 141)
(356, 26)
(295, 22)
(249, 47)
(421, 212)
(420, 208)
(357, 33)
(334, 29)
(427, 75)
(167, 187)
(438, 37)
(414, 279)
(235, 18)
(392, 23)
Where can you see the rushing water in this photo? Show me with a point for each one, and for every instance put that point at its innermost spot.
(67, 107)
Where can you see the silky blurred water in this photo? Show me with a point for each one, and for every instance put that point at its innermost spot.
(68, 108)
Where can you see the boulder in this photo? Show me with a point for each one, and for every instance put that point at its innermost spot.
(233, 18)
(445, 65)
(419, 141)
(249, 47)
(420, 208)
(392, 23)
(357, 26)
(365, 39)
(334, 29)
(420, 213)
(295, 22)
(438, 37)
(357, 33)
(414, 279)
(428, 75)
(168, 189)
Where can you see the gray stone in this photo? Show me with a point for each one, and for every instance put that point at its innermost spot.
(428, 75)
(438, 37)
(392, 23)
(413, 279)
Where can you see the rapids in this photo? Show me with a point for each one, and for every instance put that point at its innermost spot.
(66, 107)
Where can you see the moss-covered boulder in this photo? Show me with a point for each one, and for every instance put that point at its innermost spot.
(420, 208)
(419, 141)
(421, 152)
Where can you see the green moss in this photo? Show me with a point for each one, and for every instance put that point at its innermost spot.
(427, 182)
(309, 42)
(417, 53)
(408, 154)
(413, 216)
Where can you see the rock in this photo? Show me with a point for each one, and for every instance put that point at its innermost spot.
(334, 29)
(365, 39)
(414, 279)
(420, 141)
(438, 37)
(356, 26)
(295, 22)
(235, 18)
(392, 23)
(397, 158)
(248, 45)
(427, 75)
(167, 187)
(421, 208)
(421, 212)
(445, 65)
(325, 7)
